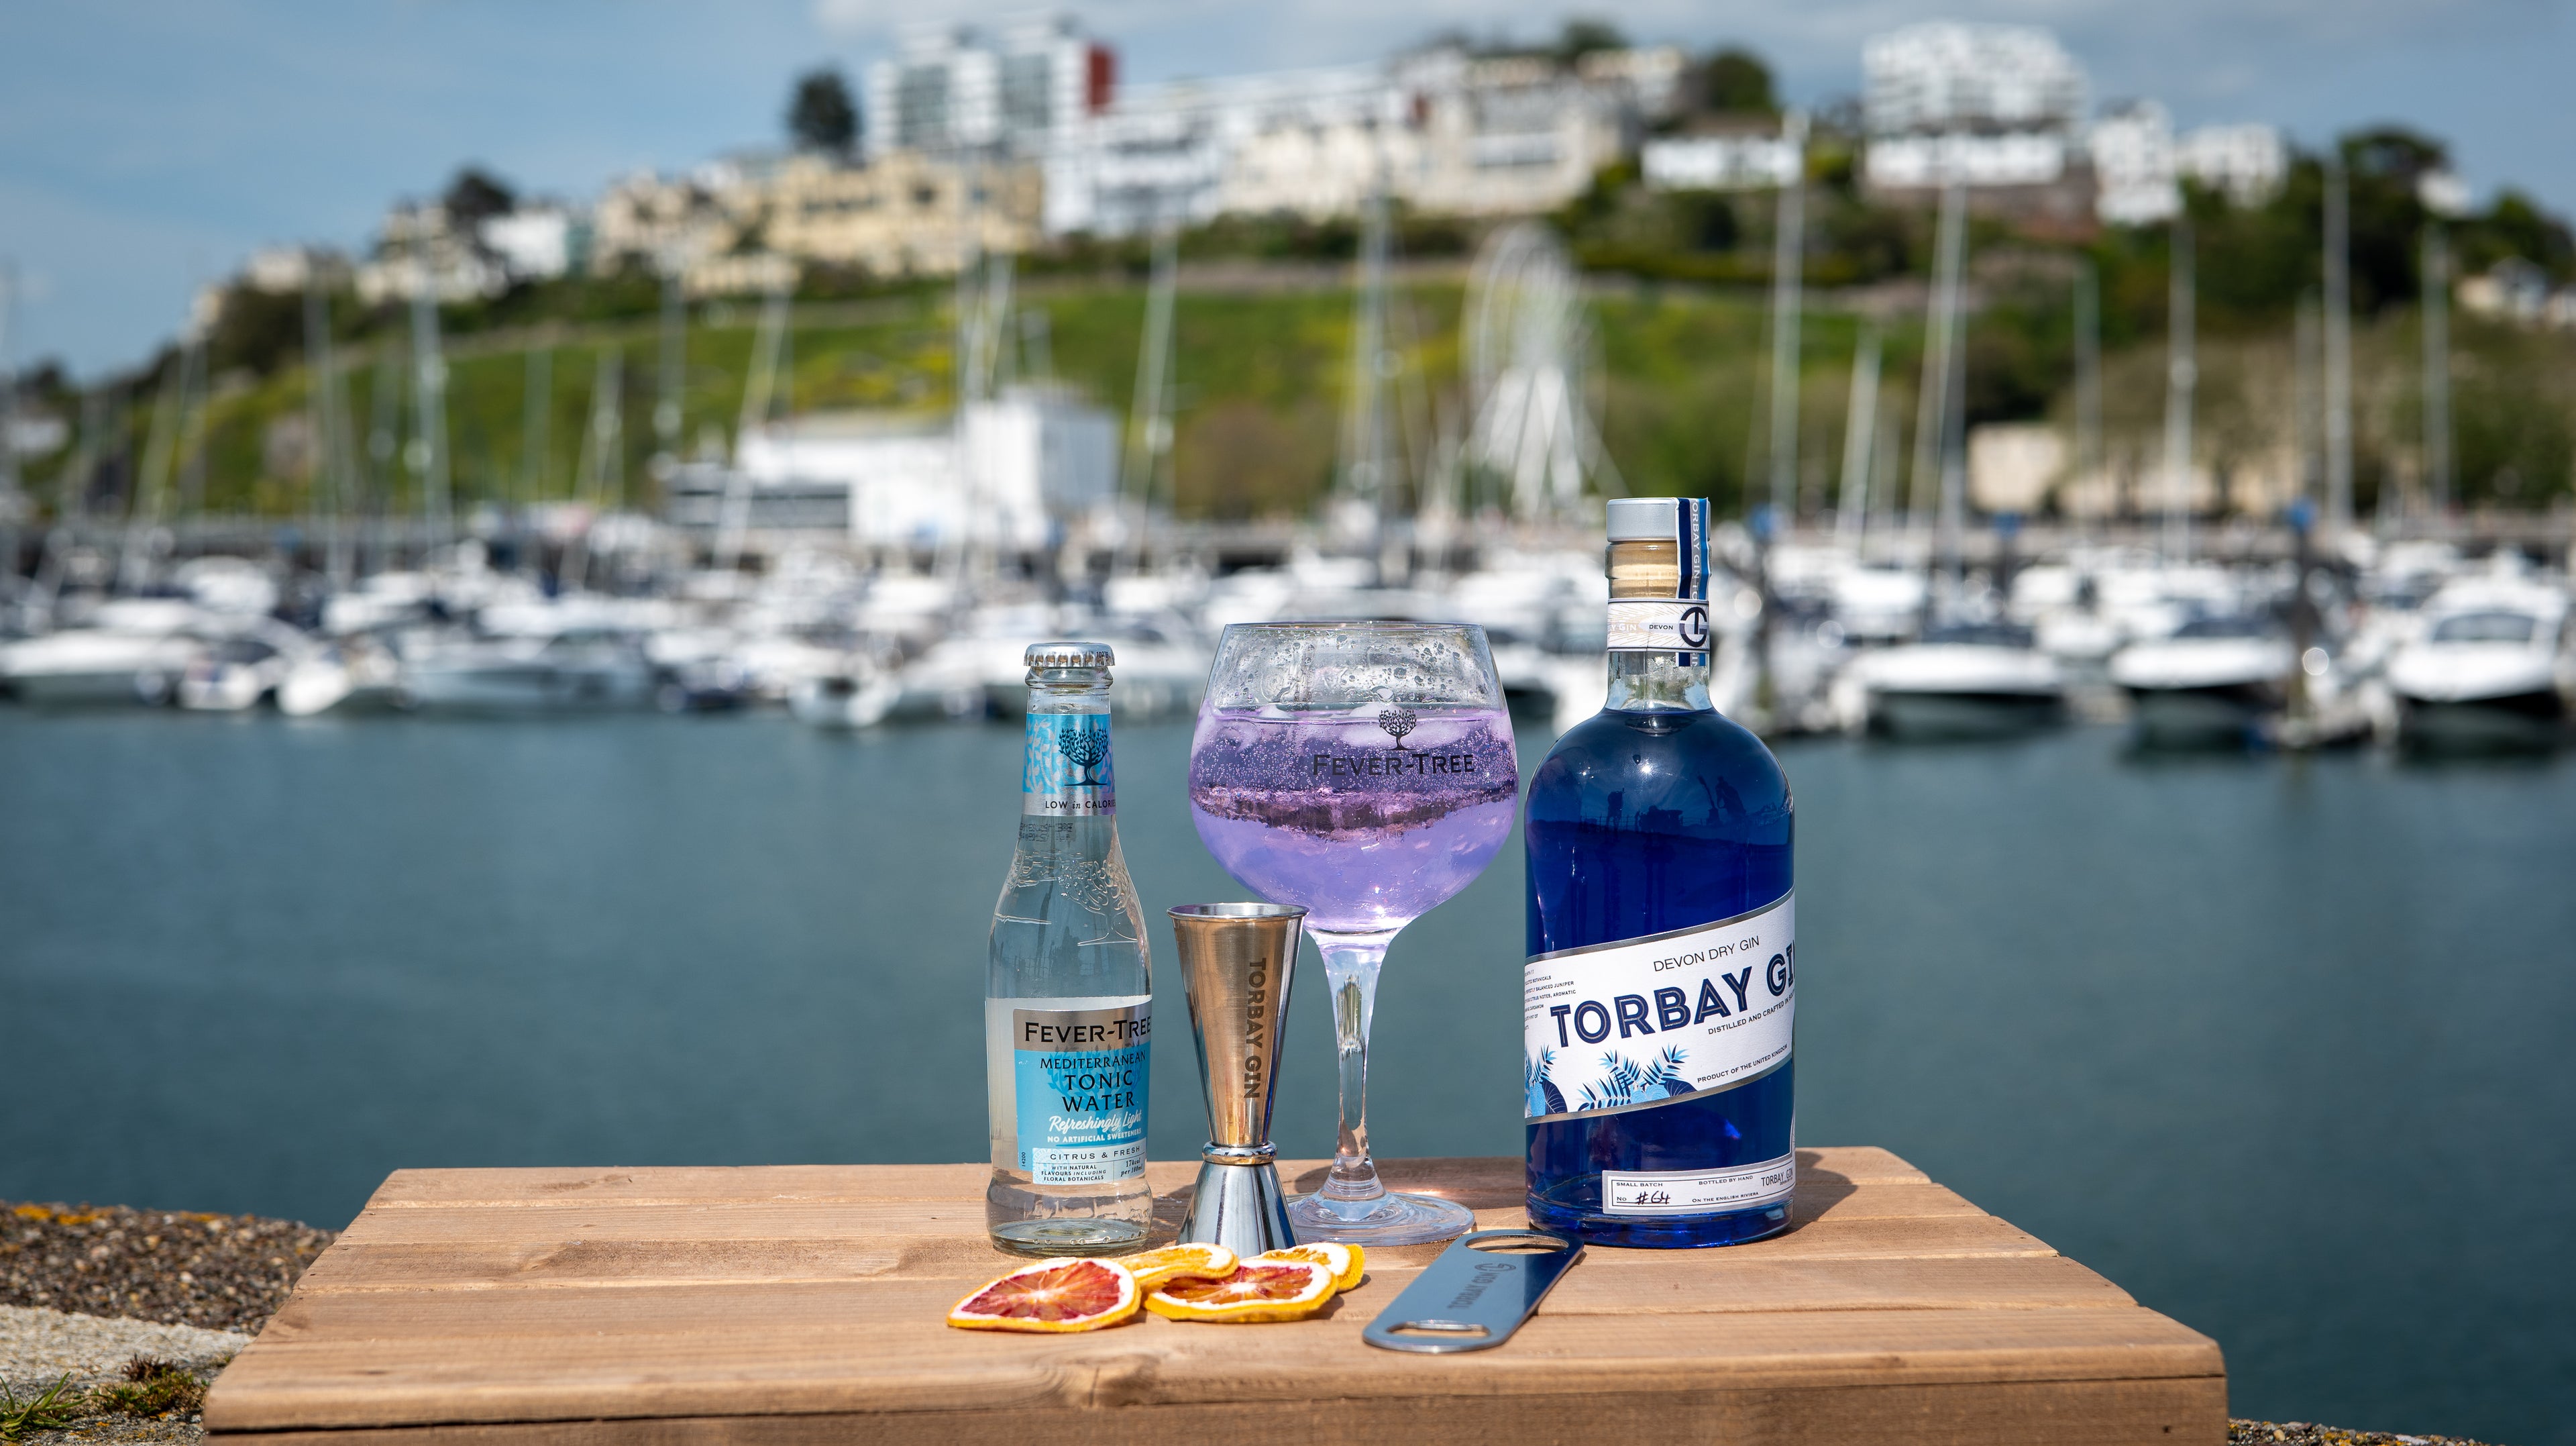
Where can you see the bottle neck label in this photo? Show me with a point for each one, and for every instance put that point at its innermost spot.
(1642, 1022)
(1079, 1079)
(1658, 625)
(1065, 772)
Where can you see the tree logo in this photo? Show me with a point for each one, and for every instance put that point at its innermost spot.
(1397, 721)
(1084, 749)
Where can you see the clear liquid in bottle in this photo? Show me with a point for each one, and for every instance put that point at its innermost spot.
(1068, 996)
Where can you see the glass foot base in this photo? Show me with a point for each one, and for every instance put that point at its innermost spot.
(1388, 1220)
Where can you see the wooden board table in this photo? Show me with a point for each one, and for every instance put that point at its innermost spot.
(798, 1305)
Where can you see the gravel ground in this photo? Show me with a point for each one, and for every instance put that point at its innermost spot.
(2301, 1433)
(38, 1346)
(217, 1272)
(87, 1289)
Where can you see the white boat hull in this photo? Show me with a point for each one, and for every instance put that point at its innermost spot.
(1912, 714)
(2522, 721)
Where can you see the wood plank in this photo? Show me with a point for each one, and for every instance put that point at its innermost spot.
(895, 1230)
(689, 1185)
(1608, 1281)
(1742, 1276)
(682, 1353)
(2174, 1411)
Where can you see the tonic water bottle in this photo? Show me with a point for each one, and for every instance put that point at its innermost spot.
(1660, 988)
(1068, 993)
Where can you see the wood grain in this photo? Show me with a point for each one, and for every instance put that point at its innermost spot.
(790, 1305)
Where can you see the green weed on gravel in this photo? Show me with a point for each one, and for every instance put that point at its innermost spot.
(48, 1412)
(151, 1388)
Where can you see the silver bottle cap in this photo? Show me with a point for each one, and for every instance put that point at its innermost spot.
(1643, 519)
(1069, 655)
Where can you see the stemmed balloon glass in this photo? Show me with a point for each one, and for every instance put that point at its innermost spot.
(1364, 771)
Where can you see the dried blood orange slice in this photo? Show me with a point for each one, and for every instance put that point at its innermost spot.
(1256, 1291)
(1064, 1294)
(1346, 1262)
(1172, 1262)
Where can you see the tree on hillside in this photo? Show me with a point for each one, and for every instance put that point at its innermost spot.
(1734, 81)
(2517, 226)
(820, 117)
(1585, 34)
(476, 196)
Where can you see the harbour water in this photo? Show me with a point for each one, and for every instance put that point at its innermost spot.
(2275, 1043)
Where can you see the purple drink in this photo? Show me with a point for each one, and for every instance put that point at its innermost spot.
(1368, 818)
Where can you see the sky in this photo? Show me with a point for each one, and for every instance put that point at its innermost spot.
(147, 146)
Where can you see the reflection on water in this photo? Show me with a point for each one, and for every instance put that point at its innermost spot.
(2273, 1042)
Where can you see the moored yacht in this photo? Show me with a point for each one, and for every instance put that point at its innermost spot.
(572, 670)
(132, 650)
(1963, 680)
(2489, 668)
(2214, 680)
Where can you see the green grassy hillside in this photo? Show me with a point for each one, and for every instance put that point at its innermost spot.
(1260, 375)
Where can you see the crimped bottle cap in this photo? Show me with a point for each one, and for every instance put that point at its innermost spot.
(1069, 655)
(1644, 519)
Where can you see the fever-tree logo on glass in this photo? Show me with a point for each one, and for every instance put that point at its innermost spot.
(1084, 748)
(1396, 721)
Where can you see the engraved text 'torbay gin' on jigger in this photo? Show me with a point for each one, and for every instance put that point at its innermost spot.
(1236, 960)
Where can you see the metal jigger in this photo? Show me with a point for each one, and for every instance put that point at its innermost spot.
(1237, 960)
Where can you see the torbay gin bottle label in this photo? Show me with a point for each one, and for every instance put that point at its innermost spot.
(1660, 990)
(1068, 997)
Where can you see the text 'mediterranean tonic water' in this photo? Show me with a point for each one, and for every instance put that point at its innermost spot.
(1660, 989)
(1068, 992)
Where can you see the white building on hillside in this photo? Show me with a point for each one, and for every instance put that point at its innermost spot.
(1945, 78)
(2139, 164)
(1441, 130)
(655, 221)
(420, 249)
(1991, 106)
(2133, 166)
(1719, 163)
(2247, 162)
(537, 243)
(1018, 89)
(1021, 463)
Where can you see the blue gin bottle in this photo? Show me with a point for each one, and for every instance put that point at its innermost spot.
(1660, 992)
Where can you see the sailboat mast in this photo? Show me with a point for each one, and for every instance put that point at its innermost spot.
(10, 502)
(535, 422)
(673, 372)
(429, 400)
(1364, 462)
(143, 508)
(1788, 258)
(1149, 427)
(1932, 398)
(330, 497)
(2088, 382)
(2437, 369)
(1860, 431)
(2182, 377)
(2338, 345)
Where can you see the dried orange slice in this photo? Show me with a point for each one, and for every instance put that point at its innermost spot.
(1346, 1262)
(1256, 1291)
(1172, 1262)
(1064, 1294)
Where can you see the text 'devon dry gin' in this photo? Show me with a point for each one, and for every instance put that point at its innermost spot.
(1660, 989)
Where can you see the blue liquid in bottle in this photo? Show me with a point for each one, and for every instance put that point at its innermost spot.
(1657, 815)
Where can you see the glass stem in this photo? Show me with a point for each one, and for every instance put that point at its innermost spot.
(1351, 963)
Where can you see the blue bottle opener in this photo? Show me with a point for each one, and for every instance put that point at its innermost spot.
(1476, 1293)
